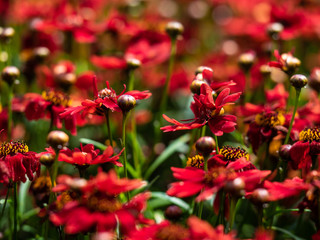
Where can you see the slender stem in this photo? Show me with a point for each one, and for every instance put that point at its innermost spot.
(220, 219)
(125, 115)
(5, 204)
(232, 211)
(298, 91)
(53, 171)
(131, 80)
(108, 127)
(203, 131)
(247, 87)
(136, 159)
(200, 210)
(15, 211)
(260, 216)
(10, 97)
(217, 144)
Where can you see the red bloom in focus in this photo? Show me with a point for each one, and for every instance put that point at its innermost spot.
(197, 230)
(306, 149)
(87, 155)
(104, 100)
(97, 207)
(208, 111)
(194, 180)
(286, 62)
(19, 162)
(50, 104)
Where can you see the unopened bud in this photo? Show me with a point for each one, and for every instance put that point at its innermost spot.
(40, 54)
(7, 34)
(133, 63)
(10, 74)
(265, 70)
(126, 102)
(201, 68)
(47, 159)
(260, 195)
(235, 187)
(284, 151)
(246, 61)
(298, 81)
(292, 63)
(174, 29)
(205, 145)
(66, 80)
(173, 213)
(274, 29)
(314, 81)
(57, 139)
(196, 86)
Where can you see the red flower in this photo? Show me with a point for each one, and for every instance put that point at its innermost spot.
(19, 162)
(284, 62)
(51, 103)
(208, 111)
(104, 100)
(197, 230)
(280, 190)
(194, 180)
(306, 149)
(97, 207)
(87, 155)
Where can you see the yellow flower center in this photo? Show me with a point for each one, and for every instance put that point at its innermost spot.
(310, 134)
(56, 97)
(195, 161)
(11, 148)
(233, 153)
(270, 119)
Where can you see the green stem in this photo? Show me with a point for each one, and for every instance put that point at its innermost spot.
(15, 211)
(5, 204)
(260, 217)
(203, 131)
(10, 97)
(298, 91)
(217, 144)
(124, 120)
(220, 219)
(232, 211)
(108, 127)
(131, 80)
(200, 209)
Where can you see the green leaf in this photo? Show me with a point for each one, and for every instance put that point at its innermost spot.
(23, 191)
(175, 146)
(94, 143)
(162, 199)
(286, 232)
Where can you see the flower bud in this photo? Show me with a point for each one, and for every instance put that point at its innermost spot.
(47, 159)
(235, 187)
(66, 80)
(10, 74)
(205, 145)
(201, 68)
(314, 81)
(173, 213)
(174, 29)
(246, 61)
(274, 29)
(133, 63)
(7, 34)
(284, 151)
(126, 102)
(265, 70)
(40, 54)
(298, 81)
(57, 139)
(292, 63)
(196, 86)
(260, 195)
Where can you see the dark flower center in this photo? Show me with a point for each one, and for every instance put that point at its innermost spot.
(195, 161)
(270, 119)
(11, 148)
(106, 93)
(65, 197)
(221, 171)
(233, 153)
(98, 202)
(56, 97)
(172, 232)
(310, 134)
